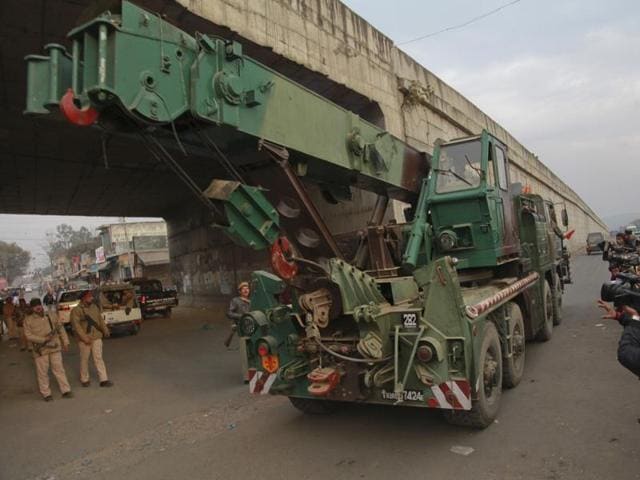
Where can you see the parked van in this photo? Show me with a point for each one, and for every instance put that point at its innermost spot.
(594, 242)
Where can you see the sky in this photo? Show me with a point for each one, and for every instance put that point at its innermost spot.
(563, 76)
(30, 231)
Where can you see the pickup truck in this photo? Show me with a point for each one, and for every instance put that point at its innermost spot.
(153, 298)
(120, 308)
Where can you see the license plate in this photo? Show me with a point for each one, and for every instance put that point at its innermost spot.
(407, 395)
(410, 320)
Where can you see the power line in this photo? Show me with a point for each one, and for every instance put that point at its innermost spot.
(461, 25)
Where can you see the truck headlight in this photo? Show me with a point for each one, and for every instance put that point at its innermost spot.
(447, 240)
(247, 325)
(425, 353)
(250, 322)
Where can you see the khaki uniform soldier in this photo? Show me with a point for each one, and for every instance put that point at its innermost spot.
(8, 310)
(89, 328)
(19, 314)
(239, 306)
(48, 340)
(128, 300)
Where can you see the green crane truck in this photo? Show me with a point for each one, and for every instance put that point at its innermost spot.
(433, 312)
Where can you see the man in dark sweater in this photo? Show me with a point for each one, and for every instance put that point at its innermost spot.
(239, 306)
(629, 344)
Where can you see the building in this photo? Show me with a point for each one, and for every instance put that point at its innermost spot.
(136, 249)
(62, 267)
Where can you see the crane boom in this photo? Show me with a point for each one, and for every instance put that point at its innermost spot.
(133, 63)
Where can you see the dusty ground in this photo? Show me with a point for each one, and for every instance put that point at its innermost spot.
(179, 410)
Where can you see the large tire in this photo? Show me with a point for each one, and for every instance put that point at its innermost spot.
(485, 409)
(134, 329)
(557, 305)
(513, 366)
(545, 333)
(167, 313)
(311, 406)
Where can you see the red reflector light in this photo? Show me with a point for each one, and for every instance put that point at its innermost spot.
(271, 363)
(143, 299)
(64, 307)
(263, 349)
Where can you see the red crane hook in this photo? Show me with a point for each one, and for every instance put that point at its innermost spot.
(281, 252)
(79, 116)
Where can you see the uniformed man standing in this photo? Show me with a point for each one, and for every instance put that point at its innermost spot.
(237, 308)
(8, 310)
(49, 302)
(19, 314)
(48, 339)
(89, 328)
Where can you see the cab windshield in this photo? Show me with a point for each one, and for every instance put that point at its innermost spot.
(459, 167)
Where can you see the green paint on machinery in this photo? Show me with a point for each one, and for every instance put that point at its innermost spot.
(251, 221)
(429, 313)
(134, 62)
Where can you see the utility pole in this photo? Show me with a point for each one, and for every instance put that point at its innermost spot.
(123, 220)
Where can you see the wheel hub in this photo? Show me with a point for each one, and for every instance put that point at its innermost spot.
(490, 373)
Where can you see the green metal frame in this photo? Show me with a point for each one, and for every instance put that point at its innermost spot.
(138, 64)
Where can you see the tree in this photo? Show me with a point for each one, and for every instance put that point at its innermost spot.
(70, 242)
(13, 260)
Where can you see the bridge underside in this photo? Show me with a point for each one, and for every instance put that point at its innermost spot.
(52, 167)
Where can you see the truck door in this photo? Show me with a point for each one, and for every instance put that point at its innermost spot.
(504, 203)
(494, 201)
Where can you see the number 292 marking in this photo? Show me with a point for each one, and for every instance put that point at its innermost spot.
(409, 320)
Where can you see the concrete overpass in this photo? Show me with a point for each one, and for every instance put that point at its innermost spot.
(54, 168)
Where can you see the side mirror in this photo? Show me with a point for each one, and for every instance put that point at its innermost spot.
(565, 217)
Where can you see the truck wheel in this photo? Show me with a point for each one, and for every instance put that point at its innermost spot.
(557, 305)
(167, 313)
(311, 406)
(135, 328)
(545, 333)
(514, 365)
(485, 409)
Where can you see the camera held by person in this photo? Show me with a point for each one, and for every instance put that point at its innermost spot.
(624, 292)
(620, 255)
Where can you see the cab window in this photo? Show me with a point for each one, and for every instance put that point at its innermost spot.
(502, 168)
(459, 167)
(491, 175)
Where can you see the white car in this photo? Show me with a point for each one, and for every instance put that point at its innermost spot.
(66, 301)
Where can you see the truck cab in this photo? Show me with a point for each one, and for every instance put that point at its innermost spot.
(471, 203)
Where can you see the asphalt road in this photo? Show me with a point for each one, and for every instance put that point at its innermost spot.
(179, 410)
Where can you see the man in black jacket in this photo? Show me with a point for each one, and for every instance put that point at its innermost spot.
(629, 344)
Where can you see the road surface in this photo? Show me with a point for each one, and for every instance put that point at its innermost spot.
(179, 410)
